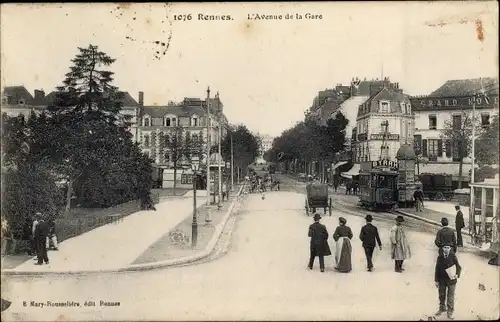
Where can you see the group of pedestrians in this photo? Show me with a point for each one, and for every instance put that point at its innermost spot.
(343, 235)
(43, 236)
(447, 269)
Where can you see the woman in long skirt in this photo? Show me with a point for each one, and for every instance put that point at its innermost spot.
(342, 237)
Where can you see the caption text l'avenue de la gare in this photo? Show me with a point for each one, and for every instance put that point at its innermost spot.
(249, 16)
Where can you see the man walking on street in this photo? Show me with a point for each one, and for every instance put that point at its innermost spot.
(418, 196)
(41, 234)
(370, 238)
(445, 276)
(400, 248)
(459, 224)
(319, 243)
(446, 237)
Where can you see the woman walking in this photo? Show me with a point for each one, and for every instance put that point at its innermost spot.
(343, 236)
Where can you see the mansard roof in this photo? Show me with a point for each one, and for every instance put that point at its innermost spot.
(177, 110)
(465, 87)
(394, 97)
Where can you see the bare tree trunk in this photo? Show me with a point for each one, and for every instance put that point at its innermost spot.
(460, 168)
(175, 177)
(69, 193)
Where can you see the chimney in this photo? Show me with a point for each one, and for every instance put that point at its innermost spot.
(141, 98)
(39, 94)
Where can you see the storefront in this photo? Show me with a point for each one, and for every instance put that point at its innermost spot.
(484, 215)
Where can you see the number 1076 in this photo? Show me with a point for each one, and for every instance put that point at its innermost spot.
(182, 17)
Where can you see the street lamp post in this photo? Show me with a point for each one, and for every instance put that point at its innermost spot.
(220, 150)
(195, 163)
(208, 147)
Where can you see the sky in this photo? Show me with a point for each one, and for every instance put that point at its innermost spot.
(267, 72)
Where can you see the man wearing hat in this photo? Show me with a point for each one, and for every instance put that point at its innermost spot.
(319, 243)
(400, 249)
(370, 238)
(446, 237)
(446, 273)
(41, 234)
(459, 224)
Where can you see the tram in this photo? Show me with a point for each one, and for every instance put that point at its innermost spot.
(378, 184)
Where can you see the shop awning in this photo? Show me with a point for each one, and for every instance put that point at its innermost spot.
(338, 164)
(353, 172)
(447, 168)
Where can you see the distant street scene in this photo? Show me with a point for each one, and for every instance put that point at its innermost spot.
(250, 162)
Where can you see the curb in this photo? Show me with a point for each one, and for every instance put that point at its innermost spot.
(147, 266)
(432, 222)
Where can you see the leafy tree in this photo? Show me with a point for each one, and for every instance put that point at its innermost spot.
(460, 135)
(487, 144)
(245, 146)
(28, 185)
(178, 145)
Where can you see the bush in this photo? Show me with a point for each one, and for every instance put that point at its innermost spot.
(27, 190)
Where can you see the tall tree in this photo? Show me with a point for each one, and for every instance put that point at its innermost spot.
(458, 130)
(177, 147)
(88, 132)
(487, 144)
(245, 146)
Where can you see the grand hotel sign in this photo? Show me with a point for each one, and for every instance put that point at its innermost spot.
(427, 103)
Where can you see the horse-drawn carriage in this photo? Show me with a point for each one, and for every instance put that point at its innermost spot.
(317, 197)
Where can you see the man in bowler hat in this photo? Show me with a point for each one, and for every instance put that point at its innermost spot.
(319, 243)
(446, 237)
(370, 238)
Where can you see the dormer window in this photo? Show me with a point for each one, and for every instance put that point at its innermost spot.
(194, 121)
(21, 101)
(146, 121)
(403, 107)
(384, 107)
(408, 108)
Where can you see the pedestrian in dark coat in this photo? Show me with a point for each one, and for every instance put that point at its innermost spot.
(446, 237)
(319, 243)
(459, 224)
(445, 277)
(370, 238)
(41, 234)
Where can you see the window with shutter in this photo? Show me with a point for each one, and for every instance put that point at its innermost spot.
(424, 148)
(440, 148)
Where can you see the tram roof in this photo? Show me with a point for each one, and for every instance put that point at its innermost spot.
(378, 171)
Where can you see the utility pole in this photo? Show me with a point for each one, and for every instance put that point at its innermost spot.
(473, 138)
(220, 149)
(208, 147)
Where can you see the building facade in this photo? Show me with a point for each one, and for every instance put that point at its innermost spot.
(448, 106)
(156, 122)
(383, 123)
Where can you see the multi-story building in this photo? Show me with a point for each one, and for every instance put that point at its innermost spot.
(384, 122)
(17, 100)
(449, 104)
(156, 123)
(266, 143)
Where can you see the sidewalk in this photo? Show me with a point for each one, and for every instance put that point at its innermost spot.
(115, 245)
